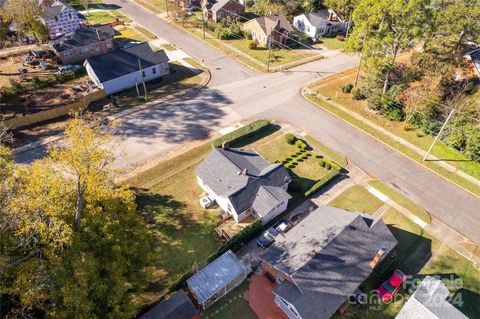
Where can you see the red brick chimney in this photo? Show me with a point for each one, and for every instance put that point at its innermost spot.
(377, 257)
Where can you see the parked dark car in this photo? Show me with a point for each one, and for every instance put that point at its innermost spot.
(267, 238)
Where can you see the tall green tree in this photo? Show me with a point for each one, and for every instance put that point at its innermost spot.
(384, 28)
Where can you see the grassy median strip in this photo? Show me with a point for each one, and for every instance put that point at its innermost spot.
(402, 200)
(452, 177)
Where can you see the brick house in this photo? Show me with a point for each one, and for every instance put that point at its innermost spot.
(272, 30)
(217, 10)
(59, 18)
(84, 43)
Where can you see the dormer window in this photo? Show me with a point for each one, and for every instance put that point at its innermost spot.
(56, 19)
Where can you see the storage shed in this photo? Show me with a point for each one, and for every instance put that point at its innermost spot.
(217, 278)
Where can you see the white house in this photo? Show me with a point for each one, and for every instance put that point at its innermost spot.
(321, 23)
(125, 68)
(59, 18)
(244, 184)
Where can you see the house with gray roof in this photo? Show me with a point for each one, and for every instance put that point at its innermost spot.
(321, 261)
(430, 301)
(177, 306)
(244, 184)
(320, 23)
(125, 68)
(84, 43)
(59, 18)
(220, 9)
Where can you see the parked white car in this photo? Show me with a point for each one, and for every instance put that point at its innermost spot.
(68, 67)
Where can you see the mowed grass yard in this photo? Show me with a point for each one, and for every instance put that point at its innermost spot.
(357, 199)
(306, 171)
(106, 16)
(420, 254)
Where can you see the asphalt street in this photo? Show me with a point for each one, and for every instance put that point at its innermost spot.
(237, 92)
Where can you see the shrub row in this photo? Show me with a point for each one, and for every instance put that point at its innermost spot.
(237, 137)
(322, 181)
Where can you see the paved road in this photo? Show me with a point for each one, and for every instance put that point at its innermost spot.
(237, 92)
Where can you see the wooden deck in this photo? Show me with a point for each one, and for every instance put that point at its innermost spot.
(231, 227)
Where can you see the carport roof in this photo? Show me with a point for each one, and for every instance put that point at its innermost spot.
(215, 276)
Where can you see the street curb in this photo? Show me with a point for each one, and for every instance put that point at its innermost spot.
(49, 140)
(379, 140)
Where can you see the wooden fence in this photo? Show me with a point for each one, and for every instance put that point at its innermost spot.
(30, 119)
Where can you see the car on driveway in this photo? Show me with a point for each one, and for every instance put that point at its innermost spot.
(390, 288)
(268, 237)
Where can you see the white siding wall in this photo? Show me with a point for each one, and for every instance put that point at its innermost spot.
(129, 80)
(67, 21)
(92, 74)
(275, 212)
(287, 308)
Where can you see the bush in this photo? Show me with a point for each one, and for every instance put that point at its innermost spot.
(290, 138)
(340, 37)
(238, 137)
(301, 145)
(322, 163)
(253, 44)
(358, 94)
(328, 166)
(347, 88)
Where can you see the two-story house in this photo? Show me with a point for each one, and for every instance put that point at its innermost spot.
(84, 43)
(244, 184)
(217, 10)
(59, 18)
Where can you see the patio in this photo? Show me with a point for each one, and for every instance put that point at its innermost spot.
(230, 228)
(260, 298)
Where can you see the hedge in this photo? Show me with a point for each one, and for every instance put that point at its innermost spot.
(332, 163)
(322, 181)
(237, 138)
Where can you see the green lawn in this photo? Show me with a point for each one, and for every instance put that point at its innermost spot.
(129, 34)
(102, 17)
(149, 35)
(402, 200)
(184, 233)
(331, 43)
(456, 179)
(79, 4)
(304, 166)
(231, 306)
(357, 199)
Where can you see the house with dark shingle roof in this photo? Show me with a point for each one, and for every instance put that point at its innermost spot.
(244, 184)
(177, 306)
(321, 261)
(430, 301)
(271, 30)
(220, 9)
(84, 43)
(125, 68)
(320, 23)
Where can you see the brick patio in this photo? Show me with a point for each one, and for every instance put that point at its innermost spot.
(260, 298)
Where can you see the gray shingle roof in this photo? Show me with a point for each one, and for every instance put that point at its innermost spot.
(430, 302)
(319, 16)
(268, 23)
(55, 9)
(269, 197)
(121, 62)
(222, 172)
(344, 244)
(82, 37)
(215, 276)
(178, 306)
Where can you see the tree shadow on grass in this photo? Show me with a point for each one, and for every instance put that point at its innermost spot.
(179, 239)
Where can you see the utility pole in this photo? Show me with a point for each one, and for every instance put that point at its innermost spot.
(349, 23)
(439, 133)
(361, 59)
(166, 6)
(269, 43)
(203, 23)
(143, 80)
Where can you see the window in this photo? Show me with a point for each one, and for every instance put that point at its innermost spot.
(56, 18)
(154, 70)
(229, 208)
(143, 73)
(70, 16)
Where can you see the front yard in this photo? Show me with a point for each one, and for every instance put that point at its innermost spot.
(357, 199)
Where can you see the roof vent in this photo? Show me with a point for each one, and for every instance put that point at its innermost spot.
(377, 257)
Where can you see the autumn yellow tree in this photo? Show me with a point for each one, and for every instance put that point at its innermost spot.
(82, 246)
